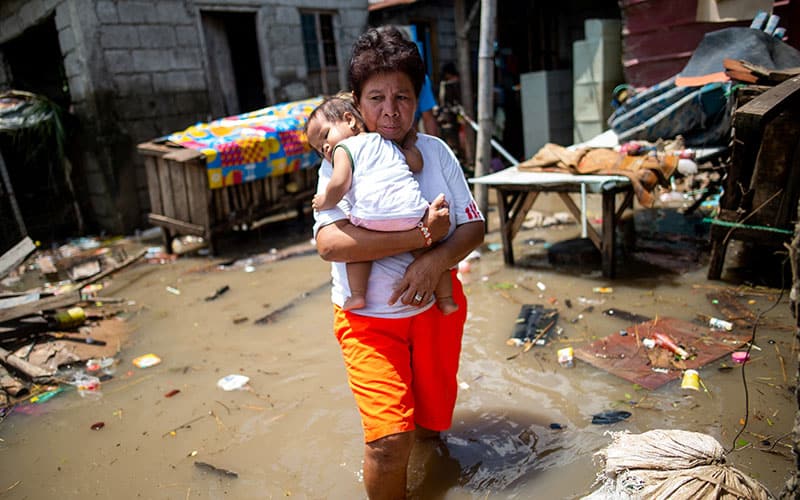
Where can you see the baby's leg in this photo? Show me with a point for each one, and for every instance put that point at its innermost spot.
(444, 294)
(357, 276)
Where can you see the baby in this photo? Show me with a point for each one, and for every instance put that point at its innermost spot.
(376, 178)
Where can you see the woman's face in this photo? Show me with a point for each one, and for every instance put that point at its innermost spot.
(388, 103)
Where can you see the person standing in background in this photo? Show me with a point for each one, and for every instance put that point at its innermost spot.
(427, 102)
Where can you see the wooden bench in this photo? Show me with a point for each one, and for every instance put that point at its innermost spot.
(517, 191)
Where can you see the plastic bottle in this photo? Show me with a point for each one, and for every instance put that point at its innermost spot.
(87, 385)
(720, 324)
(665, 342)
(71, 318)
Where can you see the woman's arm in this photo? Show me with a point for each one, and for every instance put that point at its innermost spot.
(344, 242)
(422, 275)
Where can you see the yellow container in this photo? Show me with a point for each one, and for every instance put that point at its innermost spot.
(72, 317)
(565, 357)
(691, 380)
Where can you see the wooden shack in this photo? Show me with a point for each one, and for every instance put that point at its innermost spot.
(232, 173)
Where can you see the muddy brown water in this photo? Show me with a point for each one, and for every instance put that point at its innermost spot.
(296, 433)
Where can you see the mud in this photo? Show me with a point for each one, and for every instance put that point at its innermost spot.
(294, 431)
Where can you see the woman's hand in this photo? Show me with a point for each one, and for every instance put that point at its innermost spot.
(419, 281)
(422, 275)
(438, 218)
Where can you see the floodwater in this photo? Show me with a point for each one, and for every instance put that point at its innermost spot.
(296, 433)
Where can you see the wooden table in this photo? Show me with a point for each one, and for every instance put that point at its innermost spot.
(517, 191)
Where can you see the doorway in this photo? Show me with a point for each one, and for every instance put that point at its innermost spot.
(236, 82)
(36, 156)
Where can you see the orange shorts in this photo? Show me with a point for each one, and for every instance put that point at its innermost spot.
(403, 371)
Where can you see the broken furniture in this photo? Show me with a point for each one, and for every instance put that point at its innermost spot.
(517, 191)
(762, 187)
(236, 172)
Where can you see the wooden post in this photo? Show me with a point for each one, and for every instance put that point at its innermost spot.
(11, 198)
(463, 27)
(485, 100)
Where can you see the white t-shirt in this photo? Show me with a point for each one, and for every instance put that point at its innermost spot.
(441, 173)
(382, 188)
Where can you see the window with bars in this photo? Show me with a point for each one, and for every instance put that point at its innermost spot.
(320, 49)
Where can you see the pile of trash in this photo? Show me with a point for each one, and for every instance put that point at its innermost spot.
(57, 326)
(671, 463)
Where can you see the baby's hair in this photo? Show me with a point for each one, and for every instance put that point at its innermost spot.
(334, 107)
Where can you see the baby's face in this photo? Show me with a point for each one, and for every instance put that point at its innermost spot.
(324, 135)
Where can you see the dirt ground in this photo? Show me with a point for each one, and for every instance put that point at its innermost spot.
(294, 430)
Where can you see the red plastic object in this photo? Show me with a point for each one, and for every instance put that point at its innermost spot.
(664, 341)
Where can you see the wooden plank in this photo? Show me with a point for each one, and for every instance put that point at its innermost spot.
(198, 194)
(165, 185)
(524, 206)
(156, 206)
(624, 356)
(153, 149)
(177, 174)
(216, 196)
(31, 308)
(181, 155)
(16, 255)
(258, 193)
(181, 226)
(763, 108)
(36, 373)
(125, 263)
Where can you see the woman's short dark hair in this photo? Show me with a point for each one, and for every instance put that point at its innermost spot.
(385, 50)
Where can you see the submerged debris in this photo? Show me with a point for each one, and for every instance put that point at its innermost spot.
(218, 470)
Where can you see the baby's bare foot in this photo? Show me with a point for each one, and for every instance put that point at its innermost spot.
(355, 302)
(447, 305)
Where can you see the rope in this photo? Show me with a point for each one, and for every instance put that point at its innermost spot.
(739, 225)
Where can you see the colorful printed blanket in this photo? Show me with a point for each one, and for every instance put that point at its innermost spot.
(262, 143)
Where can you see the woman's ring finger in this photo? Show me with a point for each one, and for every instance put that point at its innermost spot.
(417, 298)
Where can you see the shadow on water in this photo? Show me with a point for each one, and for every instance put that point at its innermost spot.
(483, 453)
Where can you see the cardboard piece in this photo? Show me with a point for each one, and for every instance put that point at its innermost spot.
(627, 358)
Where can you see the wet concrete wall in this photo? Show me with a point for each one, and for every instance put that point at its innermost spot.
(138, 70)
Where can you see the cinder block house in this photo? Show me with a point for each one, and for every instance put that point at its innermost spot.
(132, 70)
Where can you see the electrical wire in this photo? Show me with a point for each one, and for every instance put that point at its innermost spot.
(747, 357)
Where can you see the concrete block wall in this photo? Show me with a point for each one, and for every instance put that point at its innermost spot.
(137, 70)
(152, 76)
